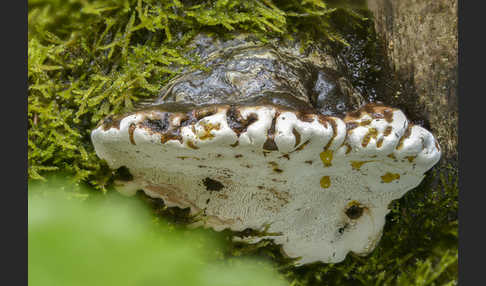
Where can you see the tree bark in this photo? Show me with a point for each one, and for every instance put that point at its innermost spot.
(420, 39)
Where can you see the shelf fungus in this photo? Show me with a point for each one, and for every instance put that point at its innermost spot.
(318, 183)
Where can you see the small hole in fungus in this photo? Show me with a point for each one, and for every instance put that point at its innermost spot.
(212, 185)
(354, 212)
(343, 228)
(123, 174)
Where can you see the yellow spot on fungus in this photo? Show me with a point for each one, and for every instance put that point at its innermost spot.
(365, 122)
(411, 158)
(372, 133)
(207, 130)
(356, 165)
(389, 177)
(392, 156)
(379, 143)
(353, 203)
(326, 157)
(325, 182)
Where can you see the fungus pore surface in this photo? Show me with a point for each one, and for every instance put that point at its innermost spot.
(279, 156)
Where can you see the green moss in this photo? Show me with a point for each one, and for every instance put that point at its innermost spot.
(91, 59)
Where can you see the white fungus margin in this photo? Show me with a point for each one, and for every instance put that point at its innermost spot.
(320, 186)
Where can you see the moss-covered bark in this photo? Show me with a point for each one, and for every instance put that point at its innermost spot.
(90, 59)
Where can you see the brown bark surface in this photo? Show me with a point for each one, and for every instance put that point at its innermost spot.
(420, 38)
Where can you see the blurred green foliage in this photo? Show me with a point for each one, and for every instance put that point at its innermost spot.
(79, 239)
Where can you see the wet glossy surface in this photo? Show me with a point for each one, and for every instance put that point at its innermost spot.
(242, 72)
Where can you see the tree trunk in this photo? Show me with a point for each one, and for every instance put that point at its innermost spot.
(420, 39)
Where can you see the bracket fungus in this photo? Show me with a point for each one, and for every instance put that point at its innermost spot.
(319, 182)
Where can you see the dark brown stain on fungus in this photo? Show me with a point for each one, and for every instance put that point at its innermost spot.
(130, 133)
(235, 144)
(322, 119)
(351, 125)
(372, 133)
(212, 185)
(391, 156)
(379, 143)
(286, 156)
(301, 147)
(406, 135)
(163, 127)
(171, 136)
(354, 114)
(308, 162)
(269, 144)
(236, 122)
(182, 119)
(387, 131)
(273, 164)
(187, 119)
(157, 125)
(110, 122)
(297, 137)
(373, 109)
(343, 228)
(123, 174)
(204, 112)
(348, 148)
(275, 167)
(334, 132)
(238, 155)
(355, 211)
(191, 144)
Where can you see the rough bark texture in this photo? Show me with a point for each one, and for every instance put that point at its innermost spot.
(420, 39)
